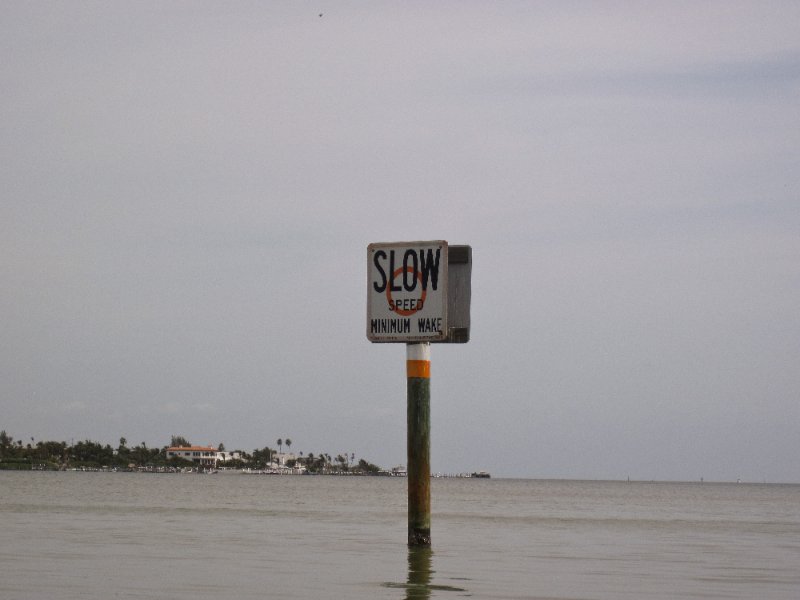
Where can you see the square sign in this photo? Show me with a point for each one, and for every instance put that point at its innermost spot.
(407, 291)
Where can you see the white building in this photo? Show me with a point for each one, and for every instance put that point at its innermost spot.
(281, 458)
(205, 456)
(225, 456)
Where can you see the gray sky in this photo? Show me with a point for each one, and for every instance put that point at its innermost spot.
(188, 191)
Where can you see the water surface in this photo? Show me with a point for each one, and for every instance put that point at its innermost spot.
(228, 536)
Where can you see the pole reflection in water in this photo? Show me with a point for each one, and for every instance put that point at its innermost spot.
(420, 572)
(420, 568)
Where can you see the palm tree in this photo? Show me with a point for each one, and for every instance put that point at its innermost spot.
(288, 443)
(342, 460)
(6, 442)
(280, 445)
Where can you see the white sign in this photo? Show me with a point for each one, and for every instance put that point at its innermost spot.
(407, 291)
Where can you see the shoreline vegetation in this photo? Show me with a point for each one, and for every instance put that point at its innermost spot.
(179, 456)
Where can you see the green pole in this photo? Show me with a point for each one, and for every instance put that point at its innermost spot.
(418, 371)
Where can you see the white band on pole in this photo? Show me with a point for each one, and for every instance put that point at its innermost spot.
(421, 351)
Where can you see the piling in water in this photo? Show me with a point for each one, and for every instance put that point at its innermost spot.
(418, 444)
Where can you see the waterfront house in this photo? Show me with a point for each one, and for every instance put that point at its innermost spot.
(204, 456)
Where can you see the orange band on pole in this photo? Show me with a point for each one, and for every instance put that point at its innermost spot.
(418, 368)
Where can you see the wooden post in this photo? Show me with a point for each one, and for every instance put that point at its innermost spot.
(418, 372)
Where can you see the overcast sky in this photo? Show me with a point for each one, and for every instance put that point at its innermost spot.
(187, 192)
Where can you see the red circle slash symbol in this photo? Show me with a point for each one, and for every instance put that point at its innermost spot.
(393, 306)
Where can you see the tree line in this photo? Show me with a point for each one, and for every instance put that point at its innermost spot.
(51, 455)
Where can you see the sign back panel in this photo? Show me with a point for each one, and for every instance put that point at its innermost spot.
(407, 291)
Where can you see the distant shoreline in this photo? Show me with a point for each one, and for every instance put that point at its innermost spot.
(231, 472)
